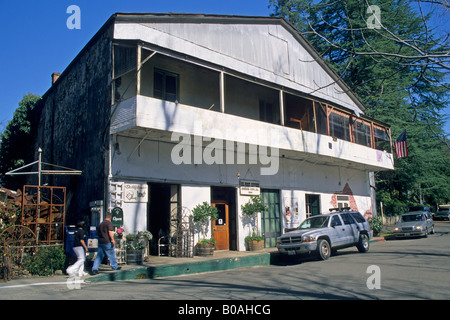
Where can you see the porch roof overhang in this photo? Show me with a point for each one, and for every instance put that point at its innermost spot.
(146, 118)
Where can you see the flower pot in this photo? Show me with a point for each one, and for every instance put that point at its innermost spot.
(135, 256)
(255, 245)
(204, 251)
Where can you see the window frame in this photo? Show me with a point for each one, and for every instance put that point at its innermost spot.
(164, 94)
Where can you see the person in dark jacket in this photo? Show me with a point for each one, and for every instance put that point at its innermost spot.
(80, 249)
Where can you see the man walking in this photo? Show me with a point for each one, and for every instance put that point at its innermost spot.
(105, 244)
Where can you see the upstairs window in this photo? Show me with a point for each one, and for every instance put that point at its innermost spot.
(381, 138)
(340, 126)
(165, 85)
(362, 133)
(267, 111)
(299, 113)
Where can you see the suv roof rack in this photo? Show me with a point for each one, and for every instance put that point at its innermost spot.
(340, 209)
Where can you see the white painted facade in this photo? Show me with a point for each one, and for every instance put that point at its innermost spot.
(146, 130)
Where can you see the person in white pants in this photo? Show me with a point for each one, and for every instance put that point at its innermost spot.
(80, 249)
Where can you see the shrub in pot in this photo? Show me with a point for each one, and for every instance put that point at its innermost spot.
(255, 240)
(202, 214)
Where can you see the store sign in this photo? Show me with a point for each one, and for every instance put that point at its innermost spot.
(117, 217)
(135, 192)
(250, 191)
(249, 188)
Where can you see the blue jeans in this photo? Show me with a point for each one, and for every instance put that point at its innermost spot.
(108, 249)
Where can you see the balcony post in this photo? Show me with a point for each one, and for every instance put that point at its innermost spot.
(282, 107)
(138, 68)
(222, 92)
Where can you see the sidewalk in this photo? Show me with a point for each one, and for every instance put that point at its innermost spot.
(158, 267)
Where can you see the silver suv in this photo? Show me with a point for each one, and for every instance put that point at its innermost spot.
(326, 232)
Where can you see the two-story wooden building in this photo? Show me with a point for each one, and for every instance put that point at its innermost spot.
(170, 110)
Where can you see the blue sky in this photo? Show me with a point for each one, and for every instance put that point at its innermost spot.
(36, 41)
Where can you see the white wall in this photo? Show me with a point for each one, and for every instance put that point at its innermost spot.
(191, 196)
(135, 213)
(295, 179)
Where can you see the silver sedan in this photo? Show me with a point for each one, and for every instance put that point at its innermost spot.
(414, 224)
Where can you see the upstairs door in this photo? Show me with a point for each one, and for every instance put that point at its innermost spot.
(221, 229)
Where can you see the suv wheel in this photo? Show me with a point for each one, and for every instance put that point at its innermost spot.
(363, 243)
(324, 249)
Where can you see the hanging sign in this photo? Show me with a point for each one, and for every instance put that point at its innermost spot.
(135, 192)
(117, 217)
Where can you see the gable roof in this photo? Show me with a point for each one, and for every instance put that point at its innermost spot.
(267, 48)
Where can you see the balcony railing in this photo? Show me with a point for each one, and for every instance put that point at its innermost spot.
(179, 84)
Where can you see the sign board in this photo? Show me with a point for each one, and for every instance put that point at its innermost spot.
(117, 217)
(135, 192)
(92, 243)
(250, 191)
(249, 188)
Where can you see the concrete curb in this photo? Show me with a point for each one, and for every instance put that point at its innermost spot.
(169, 270)
(176, 269)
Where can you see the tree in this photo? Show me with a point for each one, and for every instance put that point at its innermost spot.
(202, 213)
(16, 147)
(397, 66)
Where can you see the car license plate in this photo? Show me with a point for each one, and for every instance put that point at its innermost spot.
(291, 252)
(406, 234)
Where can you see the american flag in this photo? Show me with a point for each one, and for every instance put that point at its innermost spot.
(401, 146)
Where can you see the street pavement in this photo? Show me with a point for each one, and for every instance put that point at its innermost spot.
(404, 269)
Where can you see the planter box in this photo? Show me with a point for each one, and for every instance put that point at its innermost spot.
(135, 257)
(255, 245)
(204, 251)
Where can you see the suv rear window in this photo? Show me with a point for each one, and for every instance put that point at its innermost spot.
(358, 217)
(347, 218)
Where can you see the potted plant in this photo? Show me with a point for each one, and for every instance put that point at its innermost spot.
(205, 247)
(119, 233)
(135, 249)
(254, 240)
(145, 237)
(202, 214)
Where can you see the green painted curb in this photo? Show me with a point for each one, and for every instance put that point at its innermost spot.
(169, 270)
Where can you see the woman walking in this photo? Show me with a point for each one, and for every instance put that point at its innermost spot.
(80, 249)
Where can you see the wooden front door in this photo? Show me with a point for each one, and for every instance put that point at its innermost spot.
(221, 226)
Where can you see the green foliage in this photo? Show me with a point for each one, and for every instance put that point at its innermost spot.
(138, 241)
(253, 206)
(254, 237)
(17, 140)
(203, 212)
(390, 69)
(210, 241)
(45, 261)
(376, 224)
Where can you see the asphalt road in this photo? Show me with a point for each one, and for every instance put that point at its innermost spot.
(393, 269)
